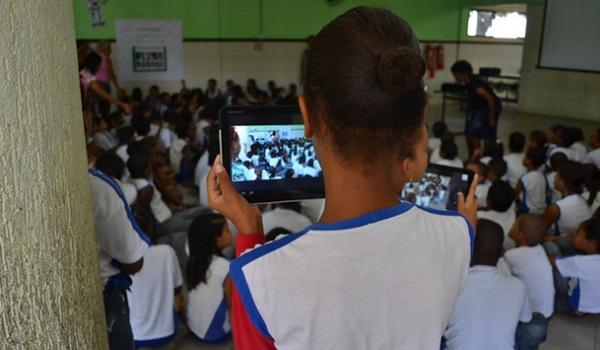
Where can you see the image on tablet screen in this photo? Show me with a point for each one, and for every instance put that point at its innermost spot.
(272, 152)
(432, 191)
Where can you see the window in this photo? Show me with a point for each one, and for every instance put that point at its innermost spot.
(496, 24)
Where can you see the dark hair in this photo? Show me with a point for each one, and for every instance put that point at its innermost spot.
(539, 138)
(139, 147)
(569, 137)
(92, 62)
(578, 177)
(138, 165)
(202, 241)
(276, 232)
(516, 142)
(181, 128)
(439, 128)
(578, 134)
(493, 149)
(449, 150)
(214, 148)
(289, 173)
(137, 95)
(501, 196)
(212, 81)
(559, 131)
(111, 164)
(557, 159)
(462, 66)
(488, 243)
(591, 227)
(447, 136)
(537, 156)
(498, 167)
(365, 71)
(141, 125)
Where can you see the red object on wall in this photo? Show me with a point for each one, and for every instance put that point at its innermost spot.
(440, 57)
(430, 57)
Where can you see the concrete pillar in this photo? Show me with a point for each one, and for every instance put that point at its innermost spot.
(50, 290)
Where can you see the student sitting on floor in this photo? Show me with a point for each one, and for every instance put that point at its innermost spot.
(497, 169)
(537, 139)
(484, 184)
(500, 199)
(438, 129)
(449, 155)
(560, 139)
(578, 147)
(491, 303)
(126, 136)
(529, 263)
(532, 192)
(491, 150)
(564, 216)
(593, 157)
(577, 278)
(103, 136)
(556, 160)
(110, 164)
(155, 295)
(209, 297)
(435, 157)
(181, 152)
(514, 160)
(285, 215)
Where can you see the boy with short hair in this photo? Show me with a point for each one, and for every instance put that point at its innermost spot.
(532, 191)
(487, 292)
(500, 199)
(514, 160)
(593, 157)
(438, 129)
(529, 263)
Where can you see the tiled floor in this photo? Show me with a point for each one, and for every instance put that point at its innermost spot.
(565, 333)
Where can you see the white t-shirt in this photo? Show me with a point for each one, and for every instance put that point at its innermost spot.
(579, 151)
(118, 236)
(202, 196)
(515, 167)
(206, 311)
(391, 293)
(129, 191)
(569, 152)
(176, 153)
(481, 192)
(456, 163)
(105, 140)
(165, 136)
(572, 211)
(593, 157)
(200, 134)
(122, 152)
(556, 195)
(310, 171)
(312, 209)
(202, 168)
(154, 129)
(487, 311)
(159, 209)
(505, 219)
(434, 143)
(534, 188)
(285, 218)
(584, 271)
(435, 155)
(151, 296)
(531, 265)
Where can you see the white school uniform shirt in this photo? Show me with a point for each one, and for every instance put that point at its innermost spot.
(531, 265)
(206, 311)
(159, 209)
(593, 157)
(202, 168)
(118, 236)
(312, 209)
(434, 143)
(515, 167)
(129, 191)
(154, 129)
(488, 311)
(584, 272)
(152, 295)
(481, 192)
(285, 218)
(166, 136)
(457, 163)
(298, 169)
(556, 195)
(324, 276)
(435, 156)
(105, 140)
(310, 171)
(572, 211)
(202, 195)
(200, 135)
(533, 192)
(553, 149)
(579, 151)
(176, 153)
(122, 152)
(505, 219)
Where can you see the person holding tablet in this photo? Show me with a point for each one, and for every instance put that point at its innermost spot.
(374, 272)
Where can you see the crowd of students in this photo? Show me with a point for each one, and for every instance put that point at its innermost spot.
(537, 245)
(168, 259)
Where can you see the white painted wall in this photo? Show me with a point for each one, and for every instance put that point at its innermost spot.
(555, 93)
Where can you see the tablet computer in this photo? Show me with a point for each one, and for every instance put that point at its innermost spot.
(267, 156)
(439, 187)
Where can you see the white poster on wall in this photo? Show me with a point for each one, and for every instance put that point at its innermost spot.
(149, 50)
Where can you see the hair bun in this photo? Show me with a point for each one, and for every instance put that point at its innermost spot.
(400, 69)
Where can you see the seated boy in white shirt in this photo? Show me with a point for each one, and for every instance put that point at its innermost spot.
(435, 156)
(532, 191)
(578, 147)
(514, 160)
(438, 129)
(529, 263)
(449, 155)
(555, 162)
(593, 157)
(491, 303)
(500, 199)
(155, 294)
(484, 184)
(577, 278)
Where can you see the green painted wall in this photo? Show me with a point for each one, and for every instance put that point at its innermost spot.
(435, 20)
